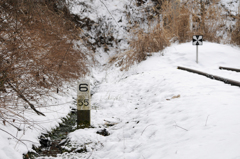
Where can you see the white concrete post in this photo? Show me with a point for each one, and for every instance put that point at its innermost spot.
(83, 103)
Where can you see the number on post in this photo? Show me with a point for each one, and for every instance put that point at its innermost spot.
(85, 102)
(83, 87)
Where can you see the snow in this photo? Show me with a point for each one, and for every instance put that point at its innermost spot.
(154, 110)
(232, 5)
(55, 108)
(109, 10)
(158, 111)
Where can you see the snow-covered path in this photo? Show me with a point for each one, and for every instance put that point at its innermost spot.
(158, 111)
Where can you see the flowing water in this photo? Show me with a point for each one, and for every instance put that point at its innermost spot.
(51, 143)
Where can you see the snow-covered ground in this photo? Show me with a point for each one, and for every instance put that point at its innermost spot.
(55, 108)
(155, 110)
(158, 111)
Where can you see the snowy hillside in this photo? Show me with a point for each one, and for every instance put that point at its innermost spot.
(151, 111)
(157, 111)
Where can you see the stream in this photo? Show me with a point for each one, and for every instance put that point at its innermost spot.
(56, 142)
(53, 142)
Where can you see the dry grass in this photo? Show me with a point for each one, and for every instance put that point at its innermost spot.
(154, 40)
(175, 23)
(236, 33)
(141, 44)
(208, 22)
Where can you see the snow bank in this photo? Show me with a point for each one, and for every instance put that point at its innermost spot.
(54, 107)
(157, 111)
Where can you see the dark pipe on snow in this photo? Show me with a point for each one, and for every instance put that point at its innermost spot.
(228, 68)
(225, 80)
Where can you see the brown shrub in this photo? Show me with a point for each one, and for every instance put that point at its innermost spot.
(38, 53)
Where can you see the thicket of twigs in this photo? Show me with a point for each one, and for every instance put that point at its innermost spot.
(176, 21)
(156, 39)
(38, 53)
(236, 32)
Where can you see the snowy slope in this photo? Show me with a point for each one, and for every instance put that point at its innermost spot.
(158, 111)
(55, 107)
(203, 122)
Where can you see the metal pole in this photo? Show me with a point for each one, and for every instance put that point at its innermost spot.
(197, 55)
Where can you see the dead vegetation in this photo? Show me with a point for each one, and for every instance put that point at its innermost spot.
(176, 21)
(236, 32)
(39, 52)
(156, 39)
